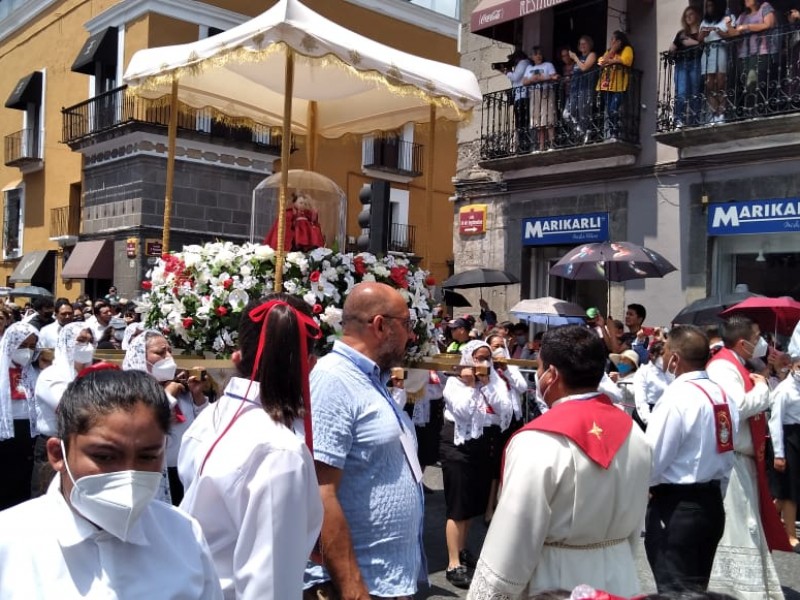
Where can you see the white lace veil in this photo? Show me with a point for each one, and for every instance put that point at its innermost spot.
(12, 338)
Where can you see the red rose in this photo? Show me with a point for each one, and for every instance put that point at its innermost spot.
(314, 277)
(187, 322)
(222, 311)
(359, 265)
(317, 309)
(430, 281)
(398, 276)
(227, 283)
(175, 291)
(147, 285)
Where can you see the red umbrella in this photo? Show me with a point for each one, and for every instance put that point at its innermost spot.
(772, 314)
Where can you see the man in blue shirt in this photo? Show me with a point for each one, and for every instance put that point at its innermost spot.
(365, 456)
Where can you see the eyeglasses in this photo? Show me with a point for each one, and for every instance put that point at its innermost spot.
(409, 323)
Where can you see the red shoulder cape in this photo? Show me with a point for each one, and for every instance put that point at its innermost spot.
(595, 425)
(773, 528)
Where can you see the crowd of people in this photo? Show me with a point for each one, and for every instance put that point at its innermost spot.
(581, 101)
(304, 478)
(726, 64)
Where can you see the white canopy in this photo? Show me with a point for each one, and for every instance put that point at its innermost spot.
(359, 85)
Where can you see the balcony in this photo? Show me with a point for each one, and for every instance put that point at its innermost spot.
(384, 155)
(402, 238)
(115, 113)
(22, 149)
(65, 223)
(563, 121)
(731, 91)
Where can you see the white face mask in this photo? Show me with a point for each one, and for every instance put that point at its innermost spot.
(113, 501)
(540, 394)
(660, 362)
(499, 353)
(760, 349)
(22, 357)
(796, 375)
(164, 369)
(84, 353)
(669, 373)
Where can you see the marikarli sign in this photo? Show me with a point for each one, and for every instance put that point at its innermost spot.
(472, 219)
(780, 215)
(565, 229)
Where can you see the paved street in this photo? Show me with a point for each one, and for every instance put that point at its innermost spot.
(788, 565)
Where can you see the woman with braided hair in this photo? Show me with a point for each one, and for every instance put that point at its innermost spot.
(249, 478)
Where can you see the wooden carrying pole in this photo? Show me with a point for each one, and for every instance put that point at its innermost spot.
(311, 136)
(172, 135)
(286, 148)
(431, 156)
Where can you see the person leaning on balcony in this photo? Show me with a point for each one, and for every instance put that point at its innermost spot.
(793, 16)
(714, 28)
(520, 63)
(685, 49)
(757, 63)
(614, 79)
(581, 86)
(542, 75)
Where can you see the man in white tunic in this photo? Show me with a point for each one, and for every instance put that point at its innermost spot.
(574, 488)
(743, 564)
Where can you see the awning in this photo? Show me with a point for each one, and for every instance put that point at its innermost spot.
(99, 48)
(34, 266)
(489, 13)
(90, 260)
(13, 185)
(28, 90)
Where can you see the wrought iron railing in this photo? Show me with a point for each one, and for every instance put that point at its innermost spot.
(22, 146)
(588, 108)
(390, 153)
(115, 108)
(64, 221)
(750, 76)
(402, 238)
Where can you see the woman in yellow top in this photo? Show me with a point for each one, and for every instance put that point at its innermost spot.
(614, 78)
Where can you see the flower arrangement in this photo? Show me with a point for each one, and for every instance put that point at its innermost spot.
(197, 296)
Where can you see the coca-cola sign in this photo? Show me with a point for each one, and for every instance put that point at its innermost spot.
(494, 12)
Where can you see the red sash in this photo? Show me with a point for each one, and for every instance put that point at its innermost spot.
(770, 521)
(722, 421)
(595, 425)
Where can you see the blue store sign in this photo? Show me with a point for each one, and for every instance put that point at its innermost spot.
(565, 229)
(756, 216)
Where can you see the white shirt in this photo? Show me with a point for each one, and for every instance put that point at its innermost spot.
(649, 383)
(468, 407)
(190, 410)
(747, 404)
(610, 389)
(47, 551)
(257, 498)
(98, 329)
(785, 401)
(48, 335)
(794, 343)
(545, 69)
(682, 433)
(50, 386)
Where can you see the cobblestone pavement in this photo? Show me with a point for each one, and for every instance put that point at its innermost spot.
(788, 565)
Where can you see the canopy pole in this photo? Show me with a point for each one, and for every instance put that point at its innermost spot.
(431, 156)
(311, 140)
(286, 148)
(172, 135)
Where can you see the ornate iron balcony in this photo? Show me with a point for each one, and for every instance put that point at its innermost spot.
(392, 154)
(22, 148)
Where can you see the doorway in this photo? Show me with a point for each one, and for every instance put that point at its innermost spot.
(573, 19)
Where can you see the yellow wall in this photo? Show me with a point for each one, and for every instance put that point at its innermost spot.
(53, 40)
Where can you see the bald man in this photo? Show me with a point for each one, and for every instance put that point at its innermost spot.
(365, 456)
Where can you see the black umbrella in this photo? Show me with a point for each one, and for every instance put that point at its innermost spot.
(611, 261)
(479, 278)
(452, 298)
(30, 291)
(706, 310)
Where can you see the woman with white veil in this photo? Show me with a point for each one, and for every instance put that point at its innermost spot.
(17, 413)
(74, 351)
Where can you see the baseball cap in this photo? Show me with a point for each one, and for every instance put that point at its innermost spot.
(592, 313)
(460, 322)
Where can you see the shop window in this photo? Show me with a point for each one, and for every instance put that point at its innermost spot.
(14, 204)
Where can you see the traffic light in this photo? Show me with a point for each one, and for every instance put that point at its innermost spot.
(374, 217)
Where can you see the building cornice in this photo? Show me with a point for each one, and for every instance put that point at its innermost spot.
(22, 14)
(190, 11)
(407, 12)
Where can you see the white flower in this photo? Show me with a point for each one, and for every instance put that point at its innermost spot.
(290, 287)
(264, 252)
(310, 298)
(332, 316)
(245, 270)
(368, 277)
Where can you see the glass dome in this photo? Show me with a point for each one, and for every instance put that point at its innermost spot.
(316, 212)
